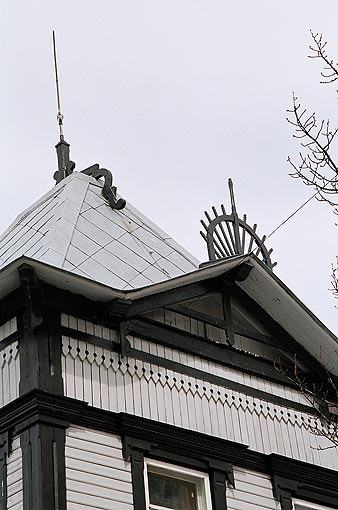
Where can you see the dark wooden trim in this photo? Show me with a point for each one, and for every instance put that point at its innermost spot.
(74, 304)
(4, 453)
(44, 478)
(40, 353)
(199, 316)
(159, 440)
(294, 479)
(137, 478)
(219, 472)
(226, 325)
(220, 381)
(9, 340)
(227, 311)
(91, 339)
(217, 481)
(101, 313)
(173, 296)
(39, 406)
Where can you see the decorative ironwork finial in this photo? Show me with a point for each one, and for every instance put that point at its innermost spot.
(108, 191)
(228, 235)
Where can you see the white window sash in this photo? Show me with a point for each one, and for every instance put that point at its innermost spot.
(307, 504)
(183, 474)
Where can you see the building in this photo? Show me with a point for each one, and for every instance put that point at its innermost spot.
(133, 378)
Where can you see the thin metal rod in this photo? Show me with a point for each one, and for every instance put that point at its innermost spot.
(59, 114)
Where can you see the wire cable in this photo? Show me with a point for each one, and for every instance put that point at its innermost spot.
(291, 215)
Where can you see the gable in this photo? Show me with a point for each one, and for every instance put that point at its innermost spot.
(230, 323)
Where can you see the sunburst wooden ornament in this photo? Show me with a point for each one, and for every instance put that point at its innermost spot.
(228, 235)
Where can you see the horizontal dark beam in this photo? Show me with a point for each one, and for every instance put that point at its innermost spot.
(172, 296)
(223, 324)
(91, 339)
(199, 316)
(199, 346)
(167, 442)
(189, 291)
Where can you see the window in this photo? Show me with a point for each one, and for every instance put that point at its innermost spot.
(169, 487)
(303, 505)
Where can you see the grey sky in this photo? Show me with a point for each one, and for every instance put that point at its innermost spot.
(174, 97)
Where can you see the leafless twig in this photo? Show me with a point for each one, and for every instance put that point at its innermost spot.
(318, 49)
(322, 397)
(316, 166)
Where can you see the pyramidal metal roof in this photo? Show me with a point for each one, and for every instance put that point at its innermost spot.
(73, 228)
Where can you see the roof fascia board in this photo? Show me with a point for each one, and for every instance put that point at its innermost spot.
(266, 273)
(205, 273)
(60, 278)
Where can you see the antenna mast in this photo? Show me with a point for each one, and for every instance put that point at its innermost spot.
(59, 114)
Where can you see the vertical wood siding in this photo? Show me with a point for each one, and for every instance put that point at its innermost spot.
(89, 327)
(104, 380)
(9, 364)
(253, 491)
(9, 373)
(217, 369)
(8, 328)
(14, 477)
(97, 477)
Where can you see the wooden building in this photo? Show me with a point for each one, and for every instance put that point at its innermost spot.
(132, 378)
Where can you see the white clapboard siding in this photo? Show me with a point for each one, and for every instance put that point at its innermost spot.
(9, 373)
(97, 477)
(253, 491)
(14, 477)
(104, 380)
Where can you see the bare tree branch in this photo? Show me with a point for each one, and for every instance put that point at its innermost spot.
(316, 166)
(334, 280)
(318, 49)
(322, 397)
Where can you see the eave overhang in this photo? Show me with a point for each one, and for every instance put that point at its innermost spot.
(256, 280)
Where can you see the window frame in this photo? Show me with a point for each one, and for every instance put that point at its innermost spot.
(186, 474)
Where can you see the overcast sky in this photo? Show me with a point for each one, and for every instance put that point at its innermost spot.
(174, 97)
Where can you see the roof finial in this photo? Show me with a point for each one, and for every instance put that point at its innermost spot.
(66, 166)
(59, 114)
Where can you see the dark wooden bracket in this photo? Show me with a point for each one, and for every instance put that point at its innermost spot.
(32, 317)
(283, 490)
(132, 444)
(108, 190)
(223, 467)
(5, 451)
(117, 308)
(125, 344)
